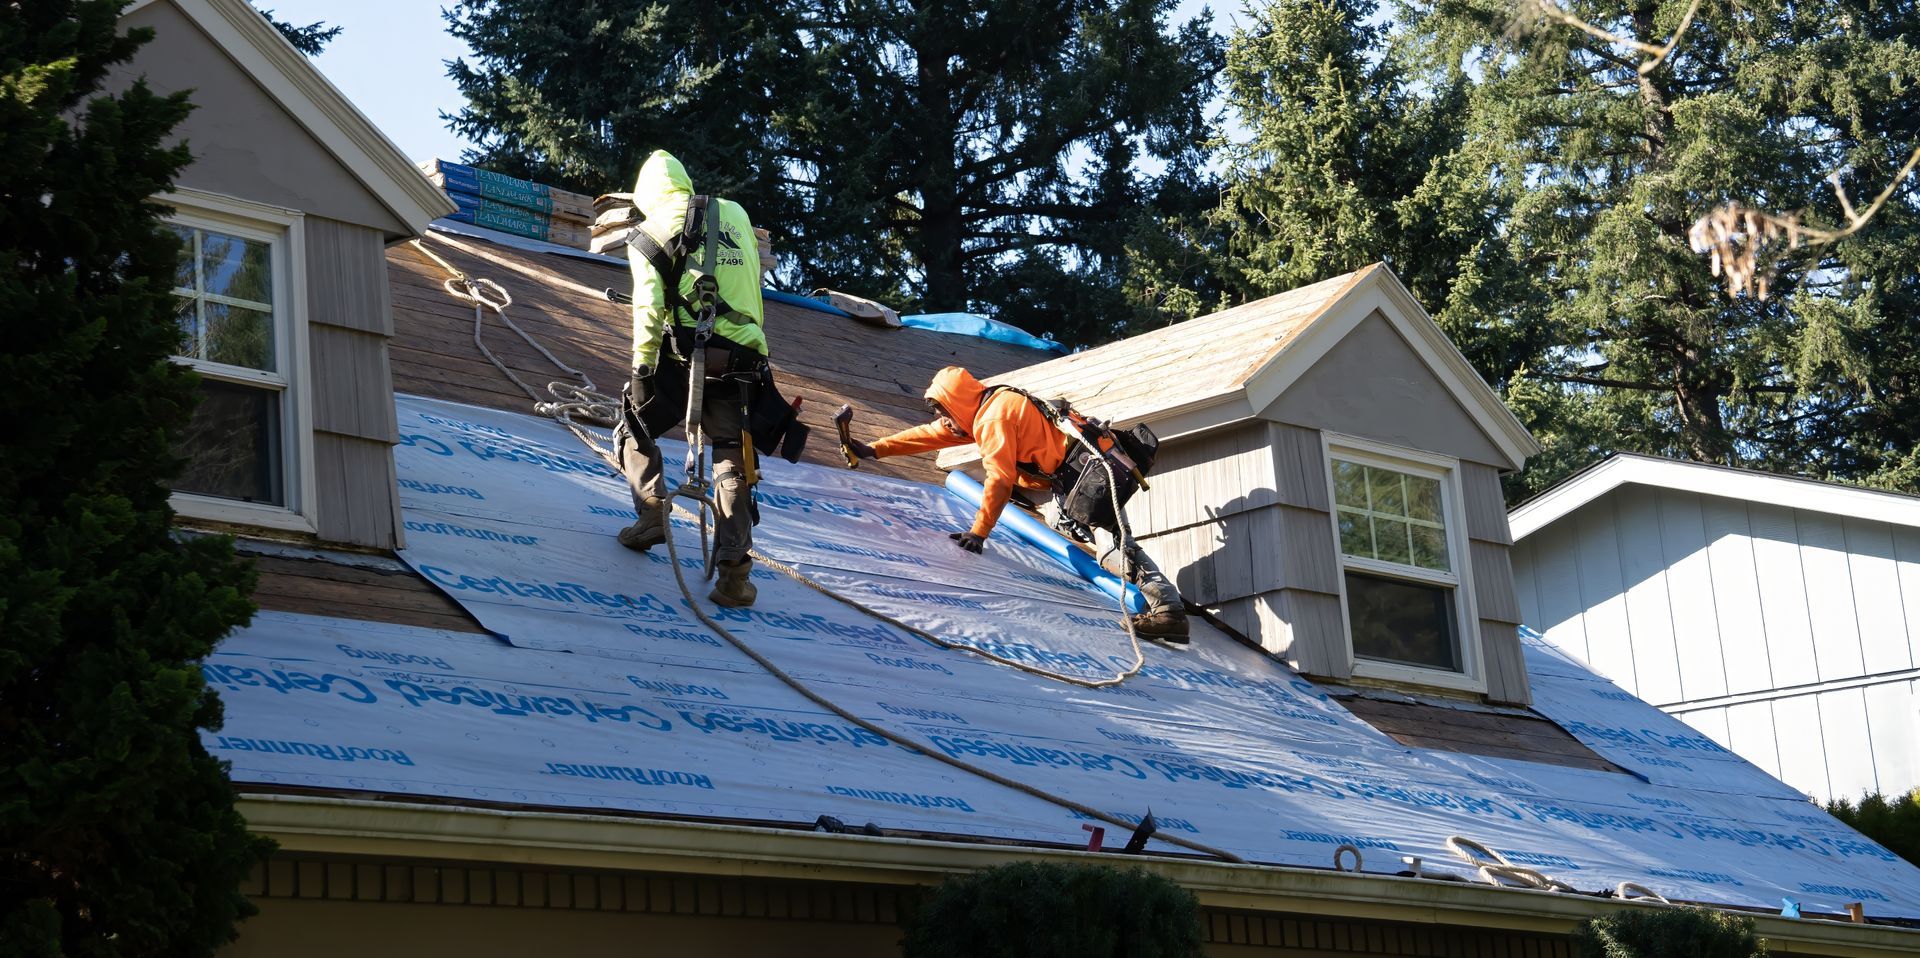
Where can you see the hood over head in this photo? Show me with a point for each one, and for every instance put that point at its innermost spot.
(959, 394)
(662, 190)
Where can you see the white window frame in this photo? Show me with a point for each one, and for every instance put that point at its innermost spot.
(1414, 462)
(285, 231)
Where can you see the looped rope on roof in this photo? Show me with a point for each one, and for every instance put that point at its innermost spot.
(1495, 869)
(1634, 891)
(564, 401)
(692, 491)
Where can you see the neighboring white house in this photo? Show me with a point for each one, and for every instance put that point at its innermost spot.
(1779, 616)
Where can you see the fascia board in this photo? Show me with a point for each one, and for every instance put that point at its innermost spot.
(316, 104)
(393, 830)
(1794, 493)
(1381, 290)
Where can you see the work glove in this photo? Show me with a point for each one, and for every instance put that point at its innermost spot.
(967, 541)
(861, 450)
(640, 388)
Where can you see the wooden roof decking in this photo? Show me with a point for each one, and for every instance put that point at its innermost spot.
(825, 359)
(1186, 362)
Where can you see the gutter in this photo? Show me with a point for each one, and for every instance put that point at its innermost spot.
(398, 830)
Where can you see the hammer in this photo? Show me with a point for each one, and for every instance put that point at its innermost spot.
(843, 421)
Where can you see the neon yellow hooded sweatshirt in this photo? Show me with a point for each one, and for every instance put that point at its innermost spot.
(662, 193)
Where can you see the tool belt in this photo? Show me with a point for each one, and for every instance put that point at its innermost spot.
(734, 373)
(1083, 493)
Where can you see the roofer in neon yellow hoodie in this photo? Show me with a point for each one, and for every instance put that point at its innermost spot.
(741, 410)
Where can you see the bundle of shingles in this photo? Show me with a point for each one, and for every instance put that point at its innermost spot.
(512, 205)
(615, 218)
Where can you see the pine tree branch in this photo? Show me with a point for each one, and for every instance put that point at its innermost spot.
(1741, 238)
(1657, 55)
(1639, 385)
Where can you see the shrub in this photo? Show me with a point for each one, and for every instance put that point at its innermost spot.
(1667, 933)
(1031, 910)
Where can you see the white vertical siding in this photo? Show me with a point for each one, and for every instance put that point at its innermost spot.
(1893, 719)
(1846, 743)
(1736, 592)
(1834, 619)
(1791, 637)
(1750, 726)
(1906, 552)
(1875, 576)
(1696, 624)
(1649, 607)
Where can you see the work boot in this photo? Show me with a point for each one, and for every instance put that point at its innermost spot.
(733, 589)
(650, 531)
(1166, 625)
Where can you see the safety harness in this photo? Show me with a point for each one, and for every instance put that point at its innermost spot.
(1088, 498)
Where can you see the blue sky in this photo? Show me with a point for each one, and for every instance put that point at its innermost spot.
(389, 60)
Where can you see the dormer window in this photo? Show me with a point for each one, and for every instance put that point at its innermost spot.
(240, 303)
(1398, 526)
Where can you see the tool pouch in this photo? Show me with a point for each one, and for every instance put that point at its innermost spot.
(775, 426)
(1084, 491)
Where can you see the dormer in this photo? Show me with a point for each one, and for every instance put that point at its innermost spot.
(284, 216)
(1328, 482)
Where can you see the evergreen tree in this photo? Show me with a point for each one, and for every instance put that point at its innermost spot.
(986, 155)
(1045, 910)
(1668, 933)
(1604, 166)
(1534, 188)
(310, 39)
(1344, 156)
(1893, 822)
(119, 828)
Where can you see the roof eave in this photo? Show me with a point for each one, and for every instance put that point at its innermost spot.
(1809, 495)
(350, 826)
(314, 102)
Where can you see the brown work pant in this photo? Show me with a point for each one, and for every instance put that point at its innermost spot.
(720, 419)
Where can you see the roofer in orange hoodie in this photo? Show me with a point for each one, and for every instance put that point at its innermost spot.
(1020, 446)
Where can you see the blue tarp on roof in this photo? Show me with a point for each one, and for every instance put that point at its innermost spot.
(973, 324)
(650, 712)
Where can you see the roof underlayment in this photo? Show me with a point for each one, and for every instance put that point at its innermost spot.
(607, 694)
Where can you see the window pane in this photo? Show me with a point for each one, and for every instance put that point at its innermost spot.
(232, 446)
(1349, 484)
(1387, 498)
(1430, 549)
(188, 319)
(1356, 539)
(1423, 498)
(1390, 541)
(1402, 622)
(183, 274)
(237, 268)
(239, 336)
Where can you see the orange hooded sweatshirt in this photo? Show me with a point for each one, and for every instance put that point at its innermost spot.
(1008, 430)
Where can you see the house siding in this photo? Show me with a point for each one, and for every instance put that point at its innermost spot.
(1240, 520)
(349, 322)
(1373, 384)
(1788, 636)
(244, 143)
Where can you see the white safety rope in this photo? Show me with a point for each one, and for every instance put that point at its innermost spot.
(465, 287)
(1497, 870)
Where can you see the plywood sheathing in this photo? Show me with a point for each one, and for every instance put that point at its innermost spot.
(826, 359)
